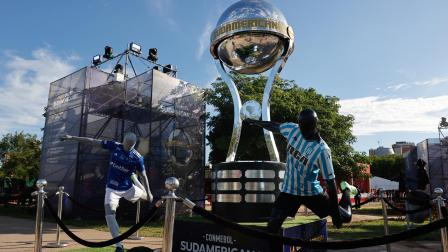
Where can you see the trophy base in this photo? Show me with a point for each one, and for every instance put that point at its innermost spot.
(245, 191)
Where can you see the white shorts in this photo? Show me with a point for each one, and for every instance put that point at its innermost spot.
(113, 197)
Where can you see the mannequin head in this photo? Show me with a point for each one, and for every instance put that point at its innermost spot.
(129, 141)
(308, 124)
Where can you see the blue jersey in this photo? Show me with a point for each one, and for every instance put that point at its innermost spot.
(305, 159)
(121, 165)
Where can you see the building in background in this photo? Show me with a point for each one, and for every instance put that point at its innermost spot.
(364, 184)
(400, 148)
(381, 151)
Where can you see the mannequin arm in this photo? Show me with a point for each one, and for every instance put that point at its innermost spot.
(267, 125)
(86, 140)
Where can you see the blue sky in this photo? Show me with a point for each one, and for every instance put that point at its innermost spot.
(386, 60)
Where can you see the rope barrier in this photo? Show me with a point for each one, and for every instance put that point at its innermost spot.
(364, 202)
(197, 200)
(334, 245)
(125, 235)
(404, 211)
(82, 205)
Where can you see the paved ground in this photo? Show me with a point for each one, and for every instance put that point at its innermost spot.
(406, 246)
(18, 235)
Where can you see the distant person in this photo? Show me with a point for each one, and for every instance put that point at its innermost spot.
(123, 163)
(422, 175)
(358, 198)
(307, 156)
(25, 197)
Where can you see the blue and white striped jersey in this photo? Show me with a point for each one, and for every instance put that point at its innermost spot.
(303, 162)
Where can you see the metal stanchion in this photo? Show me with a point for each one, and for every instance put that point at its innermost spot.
(137, 220)
(58, 243)
(171, 184)
(386, 224)
(41, 183)
(438, 192)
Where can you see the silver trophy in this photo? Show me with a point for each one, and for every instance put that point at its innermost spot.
(251, 37)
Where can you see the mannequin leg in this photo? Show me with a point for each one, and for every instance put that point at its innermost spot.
(112, 223)
(139, 185)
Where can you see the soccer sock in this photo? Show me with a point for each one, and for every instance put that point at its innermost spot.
(113, 227)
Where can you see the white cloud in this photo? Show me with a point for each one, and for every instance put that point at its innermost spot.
(396, 87)
(24, 88)
(374, 114)
(204, 40)
(426, 83)
(164, 9)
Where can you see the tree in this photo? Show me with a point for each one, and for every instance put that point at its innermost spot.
(287, 100)
(20, 155)
(390, 167)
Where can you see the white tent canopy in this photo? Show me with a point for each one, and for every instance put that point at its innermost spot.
(382, 183)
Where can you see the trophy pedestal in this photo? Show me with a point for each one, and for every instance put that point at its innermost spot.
(245, 191)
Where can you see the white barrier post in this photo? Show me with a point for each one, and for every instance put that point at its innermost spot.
(171, 184)
(41, 183)
(438, 192)
(137, 220)
(386, 224)
(58, 243)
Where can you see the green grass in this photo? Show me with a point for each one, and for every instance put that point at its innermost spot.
(366, 229)
(17, 211)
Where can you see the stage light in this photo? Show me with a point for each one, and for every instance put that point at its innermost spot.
(167, 68)
(156, 68)
(443, 122)
(152, 55)
(118, 69)
(108, 52)
(135, 48)
(96, 60)
(118, 73)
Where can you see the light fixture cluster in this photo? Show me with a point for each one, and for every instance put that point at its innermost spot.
(133, 47)
(136, 50)
(443, 123)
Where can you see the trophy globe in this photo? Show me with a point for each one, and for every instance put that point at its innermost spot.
(251, 37)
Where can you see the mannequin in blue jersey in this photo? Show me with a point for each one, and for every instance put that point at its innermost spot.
(307, 156)
(122, 182)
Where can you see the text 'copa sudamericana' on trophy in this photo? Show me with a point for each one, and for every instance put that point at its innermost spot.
(250, 36)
